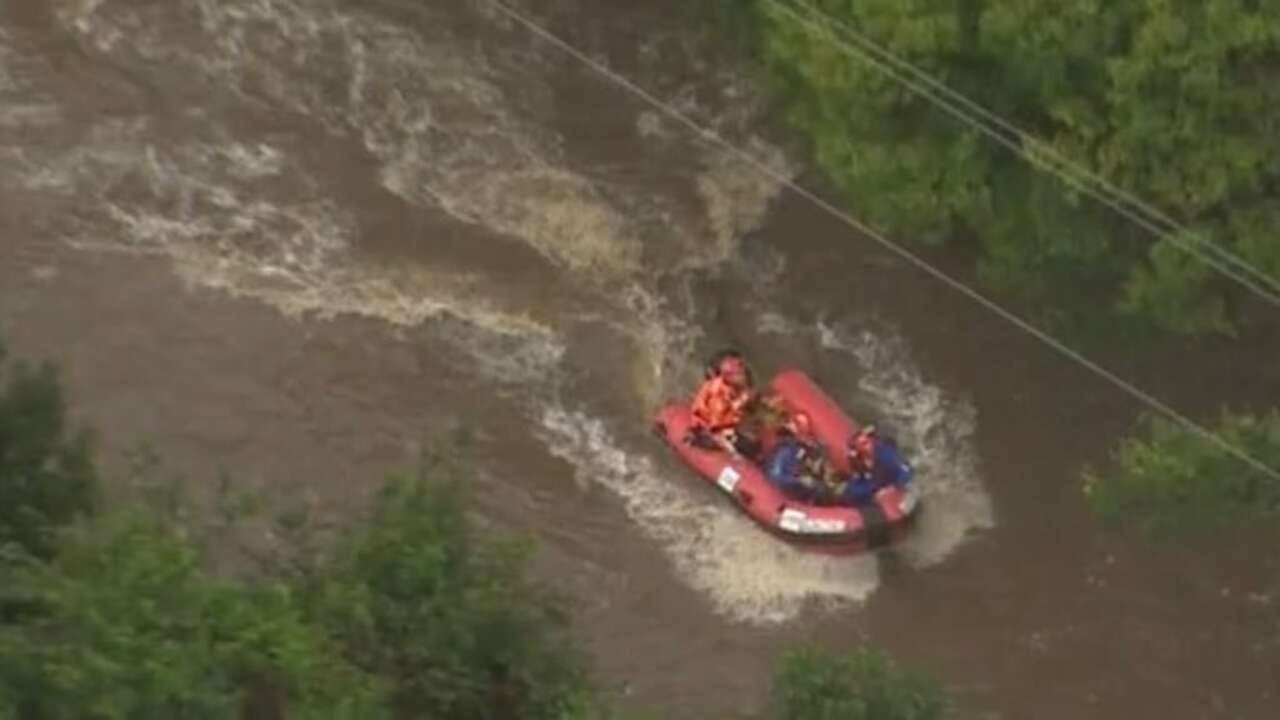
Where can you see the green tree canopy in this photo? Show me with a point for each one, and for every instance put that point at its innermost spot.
(446, 615)
(1171, 100)
(123, 623)
(1174, 479)
(412, 614)
(862, 685)
(47, 476)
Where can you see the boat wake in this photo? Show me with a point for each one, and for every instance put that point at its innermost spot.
(748, 575)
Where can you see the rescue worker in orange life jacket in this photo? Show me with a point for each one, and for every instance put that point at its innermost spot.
(874, 463)
(721, 405)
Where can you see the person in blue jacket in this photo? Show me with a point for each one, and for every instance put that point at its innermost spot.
(796, 465)
(874, 464)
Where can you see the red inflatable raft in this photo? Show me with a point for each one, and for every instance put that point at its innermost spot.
(867, 527)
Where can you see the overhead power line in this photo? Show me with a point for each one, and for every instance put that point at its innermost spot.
(1035, 151)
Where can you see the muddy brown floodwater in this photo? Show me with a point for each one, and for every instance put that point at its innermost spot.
(294, 239)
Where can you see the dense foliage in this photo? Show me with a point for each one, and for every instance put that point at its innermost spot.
(411, 613)
(446, 616)
(411, 616)
(1174, 102)
(46, 472)
(1174, 479)
(124, 624)
(858, 686)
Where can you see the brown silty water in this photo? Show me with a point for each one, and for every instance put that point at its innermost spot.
(291, 239)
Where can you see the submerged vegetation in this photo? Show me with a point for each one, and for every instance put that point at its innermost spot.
(1173, 479)
(114, 612)
(859, 686)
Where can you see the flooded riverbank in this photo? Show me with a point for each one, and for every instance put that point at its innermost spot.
(296, 238)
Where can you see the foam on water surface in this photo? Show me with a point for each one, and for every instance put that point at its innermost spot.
(462, 127)
(467, 137)
(748, 575)
(935, 429)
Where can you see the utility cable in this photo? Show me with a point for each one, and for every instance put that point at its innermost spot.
(1035, 151)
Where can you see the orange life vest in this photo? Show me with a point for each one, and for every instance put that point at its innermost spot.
(718, 405)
